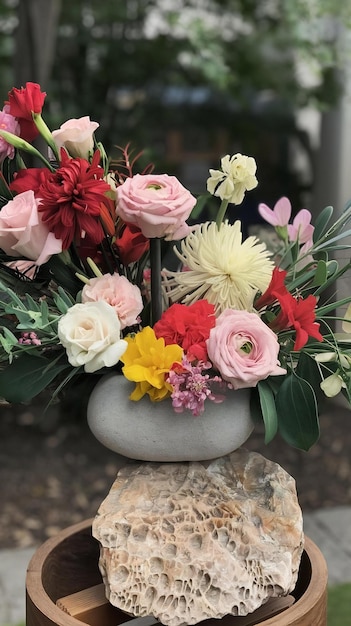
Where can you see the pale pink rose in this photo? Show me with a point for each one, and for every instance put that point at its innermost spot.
(243, 349)
(76, 136)
(11, 125)
(22, 233)
(117, 291)
(157, 204)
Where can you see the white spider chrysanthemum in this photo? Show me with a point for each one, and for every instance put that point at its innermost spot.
(220, 267)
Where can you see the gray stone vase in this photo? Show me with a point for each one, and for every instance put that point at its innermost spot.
(152, 431)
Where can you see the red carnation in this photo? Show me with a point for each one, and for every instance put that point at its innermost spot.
(71, 200)
(275, 288)
(31, 178)
(22, 104)
(298, 313)
(131, 244)
(188, 326)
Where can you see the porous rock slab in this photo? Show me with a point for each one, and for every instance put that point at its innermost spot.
(186, 542)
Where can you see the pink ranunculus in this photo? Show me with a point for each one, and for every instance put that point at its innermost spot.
(9, 123)
(117, 291)
(301, 229)
(22, 233)
(76, 135)
(157, 204)
(243, 349)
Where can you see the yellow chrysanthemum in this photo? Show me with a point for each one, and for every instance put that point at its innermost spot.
(147, 362)
(221, 267)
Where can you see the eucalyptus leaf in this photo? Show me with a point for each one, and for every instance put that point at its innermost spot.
(27, 376)
(321, 273)
(322, 222)
(297, 412)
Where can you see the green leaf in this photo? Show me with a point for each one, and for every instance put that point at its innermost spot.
(199, 206)
(27, 376)
(321, 274)
(5, 193)
(322, 222)
(63, 300)
(269, 412)
(297, 412)
(307, 369)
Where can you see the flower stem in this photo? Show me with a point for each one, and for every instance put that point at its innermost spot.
(156, 293)
(221, 212)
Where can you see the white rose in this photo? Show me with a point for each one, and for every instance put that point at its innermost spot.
(91, 334)
(76, 135)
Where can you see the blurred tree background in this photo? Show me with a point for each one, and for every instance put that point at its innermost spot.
(189, 80)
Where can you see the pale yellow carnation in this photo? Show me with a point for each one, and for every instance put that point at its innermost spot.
(236, 176)
(220, 267)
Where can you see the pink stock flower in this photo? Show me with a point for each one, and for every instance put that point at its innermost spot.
(157, 204)
(28, 339)
(191, 387)
(9, 123)
(117, 291)
(76, 135)
(279, 216)
(22, 232)
(301, 229)
(243, 349)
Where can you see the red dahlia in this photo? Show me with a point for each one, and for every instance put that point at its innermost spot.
(71, 200)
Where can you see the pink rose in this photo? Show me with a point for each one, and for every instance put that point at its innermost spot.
(76, 136)
(117, 291)
(157, 204)
(243, 349)
(22, 233)
(11, 125)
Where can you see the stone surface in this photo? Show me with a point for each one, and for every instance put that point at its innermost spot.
(152, 431)
(188, 541)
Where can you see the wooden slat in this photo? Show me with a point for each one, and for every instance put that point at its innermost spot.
(92, 607)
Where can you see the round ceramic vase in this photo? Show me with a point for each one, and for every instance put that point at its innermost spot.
(152, 431)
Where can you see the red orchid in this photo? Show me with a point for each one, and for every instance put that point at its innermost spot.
(71, 200)
(131, 244)
(275, 288)
(188, 326)
(22, 103)
(298, 313)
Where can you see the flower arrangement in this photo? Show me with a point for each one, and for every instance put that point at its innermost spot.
(83, 288)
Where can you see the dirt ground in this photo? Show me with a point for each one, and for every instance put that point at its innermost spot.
(54, 473)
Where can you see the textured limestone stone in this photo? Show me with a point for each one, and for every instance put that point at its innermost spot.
(185, 542)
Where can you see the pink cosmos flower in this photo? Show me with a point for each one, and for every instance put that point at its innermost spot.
(9, 123)
(279, 215)
(301, 229)
(22, 232)
(117, 291)
(304, 258)
(157, 204)
(243, 349)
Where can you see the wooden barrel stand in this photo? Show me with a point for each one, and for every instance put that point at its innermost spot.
(66, 566)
